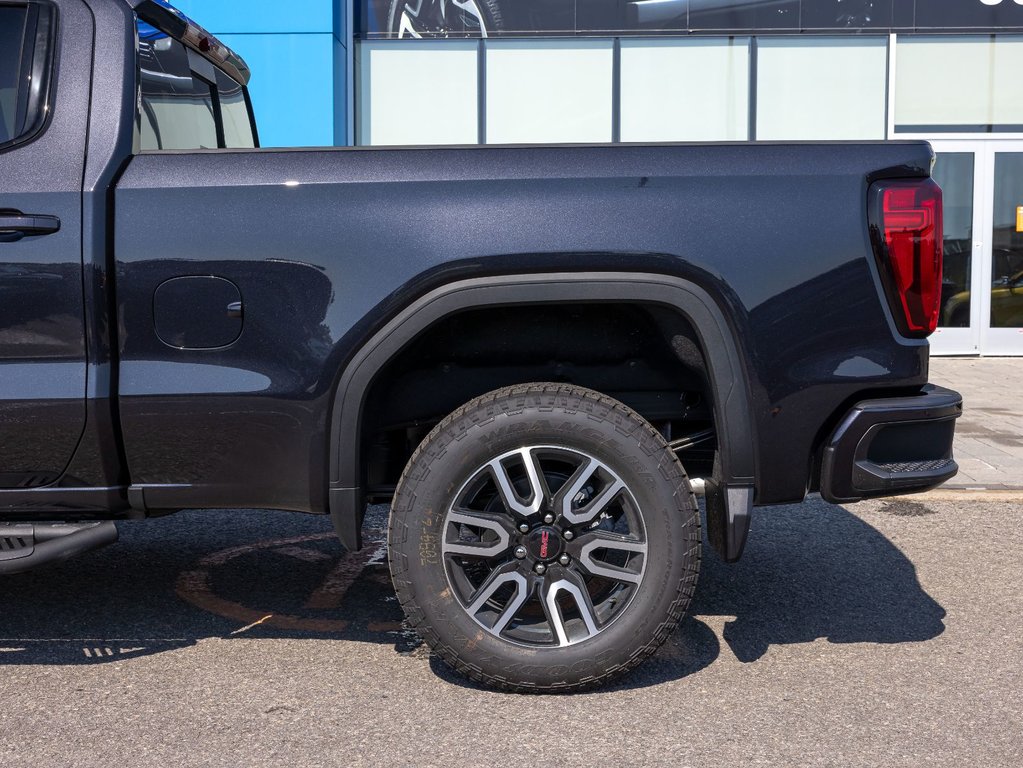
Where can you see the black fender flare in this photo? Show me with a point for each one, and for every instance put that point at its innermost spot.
(732, 401)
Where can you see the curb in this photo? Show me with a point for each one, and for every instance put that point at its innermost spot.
(971, 493)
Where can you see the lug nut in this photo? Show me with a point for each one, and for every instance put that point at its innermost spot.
(541, 568)
(524, 528)
(520, 552)
(568, 535)
(548, 518)
(564, 560)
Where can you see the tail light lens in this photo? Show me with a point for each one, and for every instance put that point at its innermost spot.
(906, 230)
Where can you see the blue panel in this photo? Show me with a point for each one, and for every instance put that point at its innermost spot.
(343, 13)
(292, 87)
(223, 17)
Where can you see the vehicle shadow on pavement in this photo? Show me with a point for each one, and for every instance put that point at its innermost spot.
(171, 582)
(809, 571)
(816, 571)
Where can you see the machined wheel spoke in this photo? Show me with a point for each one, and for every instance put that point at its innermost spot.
(507, 574)
(575, 484)
(590, 543)
(481, 548)
(471, 8)
(406, 28)
(551, 594)
(583, 475)
(509, 497)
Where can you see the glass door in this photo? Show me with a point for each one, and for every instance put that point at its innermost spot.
(982, 279)
(1002, 299)
(960, 171)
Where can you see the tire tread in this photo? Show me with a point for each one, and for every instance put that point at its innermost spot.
(628, 423)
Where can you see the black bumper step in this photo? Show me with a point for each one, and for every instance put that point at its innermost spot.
(892, 445)
(899, 467)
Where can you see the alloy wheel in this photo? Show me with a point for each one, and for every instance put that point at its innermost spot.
(544, 546)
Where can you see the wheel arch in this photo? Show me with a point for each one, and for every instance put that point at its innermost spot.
(728, 381)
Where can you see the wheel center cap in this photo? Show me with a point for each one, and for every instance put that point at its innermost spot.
(545, 543)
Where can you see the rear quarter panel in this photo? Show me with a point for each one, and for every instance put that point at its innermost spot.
(325, 245)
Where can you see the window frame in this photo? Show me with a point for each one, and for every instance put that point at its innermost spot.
(248, 108)
(198, 77)
(42, 59)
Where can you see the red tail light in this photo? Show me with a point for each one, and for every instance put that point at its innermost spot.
(906, 229)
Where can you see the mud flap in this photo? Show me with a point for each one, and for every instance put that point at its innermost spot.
(729, 509)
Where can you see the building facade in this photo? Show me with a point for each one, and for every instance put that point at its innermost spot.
(436, 72)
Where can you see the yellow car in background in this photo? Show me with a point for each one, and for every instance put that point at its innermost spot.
(1006, 305)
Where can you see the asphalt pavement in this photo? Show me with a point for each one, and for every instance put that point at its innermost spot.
(887, 633)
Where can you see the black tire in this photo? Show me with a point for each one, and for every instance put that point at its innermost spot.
(555, 641)
(454, 22)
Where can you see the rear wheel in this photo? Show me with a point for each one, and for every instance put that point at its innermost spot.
(544, 537)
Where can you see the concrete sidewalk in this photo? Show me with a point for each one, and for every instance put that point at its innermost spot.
(989, 436)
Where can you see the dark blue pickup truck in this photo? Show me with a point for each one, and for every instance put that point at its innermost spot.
(539, 356)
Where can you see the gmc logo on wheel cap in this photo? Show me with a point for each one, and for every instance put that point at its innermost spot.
(545, 537)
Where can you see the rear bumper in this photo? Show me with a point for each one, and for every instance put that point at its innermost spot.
(891, 446)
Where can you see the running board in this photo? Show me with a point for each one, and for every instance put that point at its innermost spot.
(24, 546)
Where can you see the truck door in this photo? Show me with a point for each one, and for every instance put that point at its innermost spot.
(43, 117)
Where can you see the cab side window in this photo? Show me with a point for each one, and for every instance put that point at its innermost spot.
(185, 102)
(176, 105)
(235, 110)
(25, 42)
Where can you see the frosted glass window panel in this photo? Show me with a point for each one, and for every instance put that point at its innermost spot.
(234, 112)
(549, 91)
(418, 92)
(685, 89)
(969, 82)
(821, 88)
(178, 122)
(178, 105)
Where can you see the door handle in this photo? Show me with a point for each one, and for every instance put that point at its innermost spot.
(15, 225)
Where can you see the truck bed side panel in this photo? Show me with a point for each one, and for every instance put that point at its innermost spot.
(318, 241)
